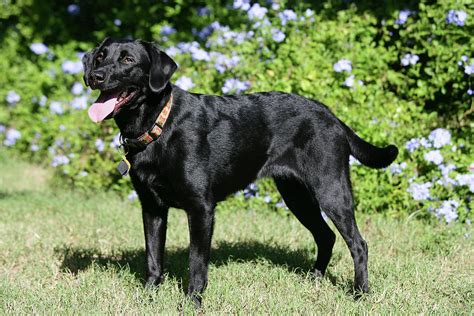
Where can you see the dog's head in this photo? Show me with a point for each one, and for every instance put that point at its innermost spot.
(123, 71)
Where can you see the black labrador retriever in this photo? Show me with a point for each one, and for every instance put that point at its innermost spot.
(191, 151)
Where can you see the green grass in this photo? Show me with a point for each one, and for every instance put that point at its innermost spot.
(67, 252)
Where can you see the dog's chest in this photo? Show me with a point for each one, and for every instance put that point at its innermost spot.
(156, 176)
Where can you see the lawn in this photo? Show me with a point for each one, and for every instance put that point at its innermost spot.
(68, 252)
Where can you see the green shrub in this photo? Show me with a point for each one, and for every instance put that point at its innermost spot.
(386, 96)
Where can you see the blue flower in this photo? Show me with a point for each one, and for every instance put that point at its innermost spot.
(208, 30)
(233, 85)
(242, 4)
(277, 35)
(55, 107)
(80, 55)
(73, 9)
(223, 63)
(172, 51)
(71, 67)
(132, 196)
(434, 156)
(34, 147)
(11, 137)
(309, 13)
(397, 168)
(115, 143)
(59, 160)
(99, 144)
(412, 145)
(3, 128)
(59, 143)
(267, 199)
(83, 173)
(199, 54)
(281, 204)
(262, 23)
(187, 47)
(403, 17)
(470, 91)
(185, 83)
(467, 180)
(445, 170)
(117, 22)
(469, 69)
(349, 82)
(420, 191)
(409, 59)
(440, 137)
(343, 65)
(167, 30)
(353, 161)
(425, 143)
(202, 11)
(41, 101)
(457, 17)
(77, 88)
(39, 48)
(251, 191)
(286, 16)
(12, 97)
(448, 210)
(257, 12)
(225, 35)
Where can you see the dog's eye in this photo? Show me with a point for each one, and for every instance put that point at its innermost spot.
(100, 57)
(127, 60)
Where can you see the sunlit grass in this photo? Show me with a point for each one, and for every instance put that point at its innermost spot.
(66, 252)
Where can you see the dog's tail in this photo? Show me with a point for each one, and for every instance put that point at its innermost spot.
(368, 154)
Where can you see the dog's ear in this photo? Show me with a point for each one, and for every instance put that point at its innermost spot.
(161, 69)
(88, 60)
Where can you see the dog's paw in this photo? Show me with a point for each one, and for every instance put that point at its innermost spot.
(154, 281)
(196, 299)
(360, 291)
(316, 274)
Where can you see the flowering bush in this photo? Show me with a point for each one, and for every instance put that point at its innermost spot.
(398, 75)
(438, 175)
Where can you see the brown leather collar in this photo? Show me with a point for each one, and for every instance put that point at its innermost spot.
(153, 133)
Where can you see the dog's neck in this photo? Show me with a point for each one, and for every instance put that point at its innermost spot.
(139, 118)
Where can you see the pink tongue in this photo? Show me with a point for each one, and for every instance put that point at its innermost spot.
(102, 108)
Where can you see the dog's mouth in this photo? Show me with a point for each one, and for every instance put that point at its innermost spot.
(109, 103)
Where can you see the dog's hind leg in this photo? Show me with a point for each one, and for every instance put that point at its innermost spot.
(335, 198)
(301, 202)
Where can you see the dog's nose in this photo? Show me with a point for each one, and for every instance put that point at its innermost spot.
(98, 75)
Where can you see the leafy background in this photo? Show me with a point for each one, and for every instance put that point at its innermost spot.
(396, 72)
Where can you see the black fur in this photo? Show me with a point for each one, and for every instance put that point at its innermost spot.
(212, 146)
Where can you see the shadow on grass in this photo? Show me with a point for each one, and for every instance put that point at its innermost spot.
(4, 194)
(176, 260)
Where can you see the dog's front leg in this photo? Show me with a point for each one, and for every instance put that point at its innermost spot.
(154, 222)
(201, 224)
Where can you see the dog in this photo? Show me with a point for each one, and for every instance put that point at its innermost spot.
(190, 151)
